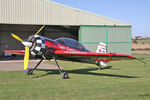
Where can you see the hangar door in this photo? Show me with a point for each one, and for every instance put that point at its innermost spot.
(117, 38)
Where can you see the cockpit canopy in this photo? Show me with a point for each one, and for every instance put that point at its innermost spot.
(71, 43)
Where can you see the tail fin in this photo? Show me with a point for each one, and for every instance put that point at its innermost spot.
(101, 48)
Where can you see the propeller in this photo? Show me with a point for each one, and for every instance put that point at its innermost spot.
(27, 45)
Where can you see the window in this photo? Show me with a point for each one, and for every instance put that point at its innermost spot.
(71, 43)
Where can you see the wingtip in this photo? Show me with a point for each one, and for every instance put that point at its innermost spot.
(140, 60)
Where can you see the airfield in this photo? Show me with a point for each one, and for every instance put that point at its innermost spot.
(17, 65)
(120, 80)
(142, 46)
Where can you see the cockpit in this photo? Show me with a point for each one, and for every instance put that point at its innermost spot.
(71, 43)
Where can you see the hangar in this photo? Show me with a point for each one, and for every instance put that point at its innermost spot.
(25, 17)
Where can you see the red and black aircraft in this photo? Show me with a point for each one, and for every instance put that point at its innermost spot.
(61, 49)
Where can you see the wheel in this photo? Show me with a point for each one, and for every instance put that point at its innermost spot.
(64, 75)
(99, 68)
(29, 71)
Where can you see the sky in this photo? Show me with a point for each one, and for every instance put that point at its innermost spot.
(135, 12)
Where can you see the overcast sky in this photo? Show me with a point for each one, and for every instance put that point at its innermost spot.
(135, 12)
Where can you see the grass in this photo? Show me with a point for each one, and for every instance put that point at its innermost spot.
(147, 41)
(125, 80)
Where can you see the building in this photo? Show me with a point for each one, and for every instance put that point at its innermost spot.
(25, 17)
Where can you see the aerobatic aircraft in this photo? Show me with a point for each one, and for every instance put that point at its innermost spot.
(63, 49)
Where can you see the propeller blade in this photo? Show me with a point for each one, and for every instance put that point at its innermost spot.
(37, 32)
(26, 58)
(39, 29)
(16, 37)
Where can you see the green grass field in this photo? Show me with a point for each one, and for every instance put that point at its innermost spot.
(125, 80)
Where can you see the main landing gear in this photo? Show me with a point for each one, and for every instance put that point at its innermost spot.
(64, 74)
(30, 70)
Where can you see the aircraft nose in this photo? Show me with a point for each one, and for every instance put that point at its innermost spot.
(27, 44)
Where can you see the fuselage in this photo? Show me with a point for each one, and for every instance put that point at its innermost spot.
(42, 46)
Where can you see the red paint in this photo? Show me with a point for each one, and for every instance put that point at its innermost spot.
(52, 45)
(15, 51)
(59, 46)
(102, 45)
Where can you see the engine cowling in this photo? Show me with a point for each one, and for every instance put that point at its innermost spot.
(38, 46)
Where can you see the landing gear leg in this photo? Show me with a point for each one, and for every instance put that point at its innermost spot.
(99, 65)
(64, 74)
(30, 70)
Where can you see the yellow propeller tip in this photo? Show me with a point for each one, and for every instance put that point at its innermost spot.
(12, 34)
(16, 37)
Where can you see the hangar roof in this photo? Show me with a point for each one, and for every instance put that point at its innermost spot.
(49, 13)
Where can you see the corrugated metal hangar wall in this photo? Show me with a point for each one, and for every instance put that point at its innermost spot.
(38, 12)
(117, 38)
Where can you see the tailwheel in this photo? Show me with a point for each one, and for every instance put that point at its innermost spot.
(29, 71)
(99, 68)
(65, 75)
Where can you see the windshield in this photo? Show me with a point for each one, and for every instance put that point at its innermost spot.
(71, 43)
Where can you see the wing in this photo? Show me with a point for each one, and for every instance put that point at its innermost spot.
(20, 52)
(91, 57)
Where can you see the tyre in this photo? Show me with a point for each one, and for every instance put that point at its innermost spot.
(29, 71)
(64, 75)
